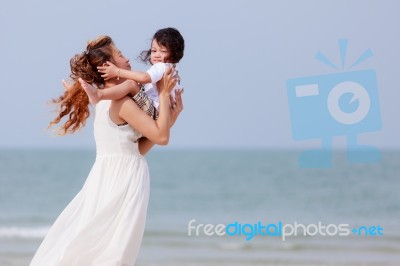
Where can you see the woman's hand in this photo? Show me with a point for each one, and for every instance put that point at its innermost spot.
(176, 106)
(109, 70)
(168, 82)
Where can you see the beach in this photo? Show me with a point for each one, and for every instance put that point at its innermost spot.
(227, 187)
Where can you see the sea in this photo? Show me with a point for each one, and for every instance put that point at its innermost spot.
(220, 207)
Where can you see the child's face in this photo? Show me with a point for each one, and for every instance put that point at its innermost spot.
(158, 53)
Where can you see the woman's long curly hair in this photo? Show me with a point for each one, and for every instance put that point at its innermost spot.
(75, 102)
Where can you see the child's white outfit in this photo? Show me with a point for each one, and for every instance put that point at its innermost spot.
(156, 72)
(147, 97)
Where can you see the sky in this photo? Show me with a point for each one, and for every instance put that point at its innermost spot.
(238, 58)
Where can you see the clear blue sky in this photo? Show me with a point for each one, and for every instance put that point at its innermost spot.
(238, 57)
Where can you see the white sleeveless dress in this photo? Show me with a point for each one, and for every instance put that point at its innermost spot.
(104, 224)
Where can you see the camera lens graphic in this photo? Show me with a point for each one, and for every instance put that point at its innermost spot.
(343, 103)
(359, 94)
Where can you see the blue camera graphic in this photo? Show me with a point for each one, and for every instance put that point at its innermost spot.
(325, 106)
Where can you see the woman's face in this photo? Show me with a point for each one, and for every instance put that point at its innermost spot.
(120, 60)
(158, 53)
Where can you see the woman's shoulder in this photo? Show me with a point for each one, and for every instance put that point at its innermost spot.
(120, 102)
(118, 107)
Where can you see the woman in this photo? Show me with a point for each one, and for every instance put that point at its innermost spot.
(104, 224)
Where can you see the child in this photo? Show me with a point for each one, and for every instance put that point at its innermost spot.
(166, 48)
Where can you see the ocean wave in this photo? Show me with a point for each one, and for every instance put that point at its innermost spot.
(23, 232)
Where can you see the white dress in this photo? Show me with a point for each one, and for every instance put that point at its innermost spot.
(104, 224)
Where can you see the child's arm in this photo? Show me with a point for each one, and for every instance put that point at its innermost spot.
(111, 71)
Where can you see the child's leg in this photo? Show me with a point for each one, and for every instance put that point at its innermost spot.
(146, 104)
(113, 93)
(93, 93)
(121, 90)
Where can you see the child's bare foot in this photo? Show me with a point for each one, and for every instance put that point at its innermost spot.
(65, 85)
(91, 91)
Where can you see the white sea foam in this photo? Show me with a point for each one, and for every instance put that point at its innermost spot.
(23, 232)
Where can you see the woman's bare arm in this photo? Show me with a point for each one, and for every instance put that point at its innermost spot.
(156, 131)
(145, 144)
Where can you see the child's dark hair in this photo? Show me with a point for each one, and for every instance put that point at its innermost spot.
(172, 40)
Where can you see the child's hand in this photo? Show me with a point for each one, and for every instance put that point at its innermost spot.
(109, 71)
